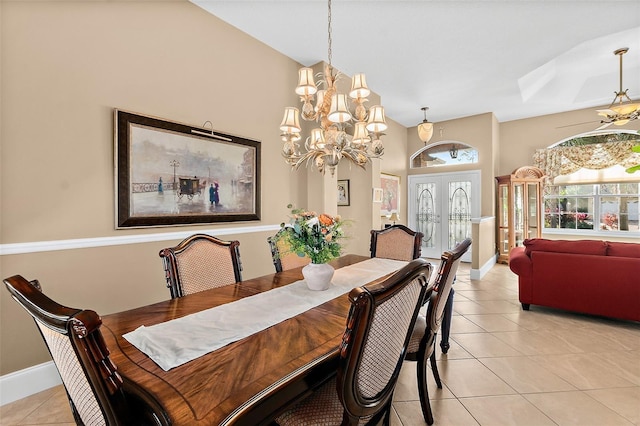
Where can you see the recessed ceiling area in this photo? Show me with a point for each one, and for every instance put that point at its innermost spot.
(517, 59)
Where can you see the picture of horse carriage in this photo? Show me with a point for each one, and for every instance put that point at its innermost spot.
(189, 187)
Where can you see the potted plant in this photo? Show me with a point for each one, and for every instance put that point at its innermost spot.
(316, 236)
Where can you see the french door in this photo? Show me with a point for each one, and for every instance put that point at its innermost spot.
(441, 207)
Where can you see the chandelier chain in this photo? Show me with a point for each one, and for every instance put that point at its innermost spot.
(329, 31)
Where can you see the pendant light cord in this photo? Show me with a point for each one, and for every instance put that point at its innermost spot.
(329, 31)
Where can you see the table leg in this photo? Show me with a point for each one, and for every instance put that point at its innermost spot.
(446, 323)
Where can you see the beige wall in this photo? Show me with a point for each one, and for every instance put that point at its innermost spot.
(363, 214)
(65, 66)
(519, 139)
(477, 131)
(480, 132)
(484, 237)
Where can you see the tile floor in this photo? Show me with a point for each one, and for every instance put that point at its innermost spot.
(505, 367)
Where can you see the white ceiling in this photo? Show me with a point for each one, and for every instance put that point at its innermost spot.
(515, 58)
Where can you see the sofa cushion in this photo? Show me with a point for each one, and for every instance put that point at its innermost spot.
(593, 247)
(623, 249)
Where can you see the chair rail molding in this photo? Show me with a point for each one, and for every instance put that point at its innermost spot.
(40, 246)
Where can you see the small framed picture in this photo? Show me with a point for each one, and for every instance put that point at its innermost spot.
(390, 194)
(343, 193)
(377, 195)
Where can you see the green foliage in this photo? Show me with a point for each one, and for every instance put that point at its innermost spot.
(316, 236)
(635, 168)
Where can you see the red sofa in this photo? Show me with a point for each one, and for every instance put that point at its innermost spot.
(589, 276)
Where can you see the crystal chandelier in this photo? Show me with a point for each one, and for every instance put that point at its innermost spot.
(330, 142)
(622, 109)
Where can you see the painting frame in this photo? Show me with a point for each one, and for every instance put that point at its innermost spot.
(390, 194)
(225, 186)
(344, 193)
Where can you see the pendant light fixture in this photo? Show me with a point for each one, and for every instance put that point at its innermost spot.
(425, 129)
(622, 109)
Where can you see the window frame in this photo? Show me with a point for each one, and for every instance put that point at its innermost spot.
(596, 197)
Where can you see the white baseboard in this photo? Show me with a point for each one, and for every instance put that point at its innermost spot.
(23, 383)
(477, 274)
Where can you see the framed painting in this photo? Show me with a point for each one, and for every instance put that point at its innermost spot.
(390, 194)
(169, 173)
(344, 198)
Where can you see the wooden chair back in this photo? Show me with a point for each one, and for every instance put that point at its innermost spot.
(96, 392)
(396, 242)
(421, 346)
(373, 348)
(449, 262)
(283, 259)
(201, 262)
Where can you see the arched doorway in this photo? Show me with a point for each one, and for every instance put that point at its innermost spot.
(441, 205)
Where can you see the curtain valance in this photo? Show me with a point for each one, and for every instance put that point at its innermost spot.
(561, 160)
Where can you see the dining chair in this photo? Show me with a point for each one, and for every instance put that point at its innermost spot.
(422, 344)
(396, 242)
(373, 347)
(98, 395)
(283, 259)
(201, 262)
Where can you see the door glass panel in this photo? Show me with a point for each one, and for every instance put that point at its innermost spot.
(459, 212)
(504, 240)
(532, 214)
(427, 218)
(503, 214)
(518, 214)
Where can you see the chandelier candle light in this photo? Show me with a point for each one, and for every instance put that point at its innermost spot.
(329, 143)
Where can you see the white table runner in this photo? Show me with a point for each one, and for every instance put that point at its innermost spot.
(181, 340)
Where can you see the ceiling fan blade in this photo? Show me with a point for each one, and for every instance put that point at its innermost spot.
(606, 112)
(604, 126)
(578, 124)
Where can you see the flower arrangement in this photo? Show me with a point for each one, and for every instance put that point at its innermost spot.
(313, 235)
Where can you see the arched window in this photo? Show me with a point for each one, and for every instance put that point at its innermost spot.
(444, 153)
(588, 191)
(591, 151)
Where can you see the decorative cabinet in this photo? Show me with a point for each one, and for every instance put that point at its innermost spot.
(519, 209)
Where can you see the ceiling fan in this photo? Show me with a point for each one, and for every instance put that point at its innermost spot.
(620, 112)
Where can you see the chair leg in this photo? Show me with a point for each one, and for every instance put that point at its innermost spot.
(423, 391)
(434, 369)
(387, 416)
(446, 323)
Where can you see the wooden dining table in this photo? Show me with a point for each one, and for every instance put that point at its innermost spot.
(249, 381)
